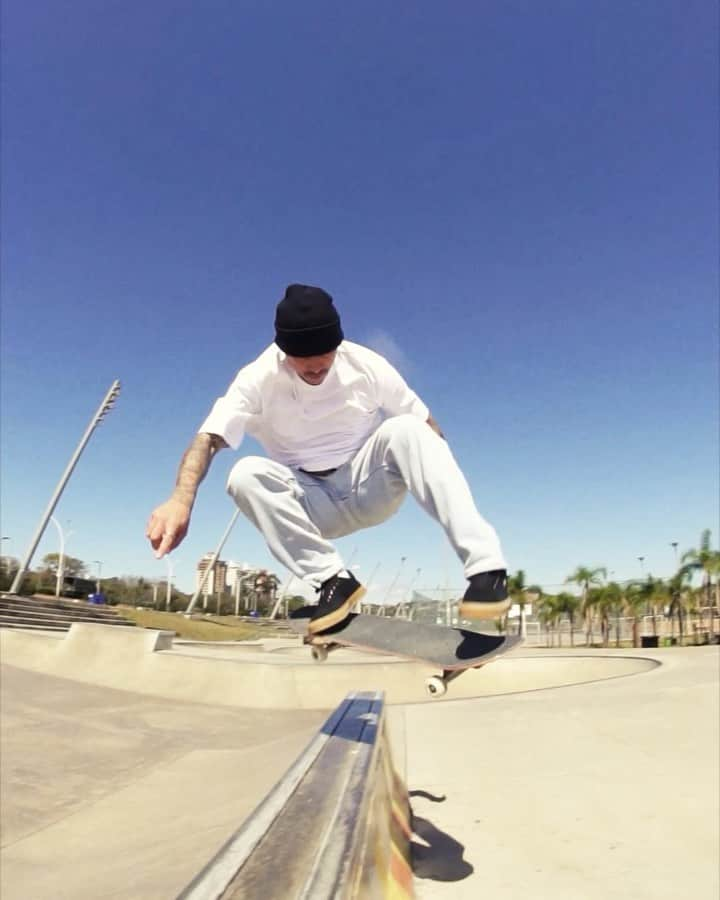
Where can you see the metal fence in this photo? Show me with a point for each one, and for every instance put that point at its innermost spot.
(441, 608)
(697, 629)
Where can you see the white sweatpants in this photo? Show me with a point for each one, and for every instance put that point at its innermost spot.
(298, 513)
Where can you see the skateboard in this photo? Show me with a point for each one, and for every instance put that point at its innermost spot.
(453, 650)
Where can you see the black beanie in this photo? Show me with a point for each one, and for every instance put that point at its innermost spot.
(306, 322)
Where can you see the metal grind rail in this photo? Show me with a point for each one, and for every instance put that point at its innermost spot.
(335, 827)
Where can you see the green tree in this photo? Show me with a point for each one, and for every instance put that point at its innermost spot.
(549, 613)
(516, 590)
(615, 603)
(635, 601)
(71, 565)
(586, 578)
(679, 602)
(8, 567)
(653, 592)
(568, 604)
(706, 560)
(607, 600)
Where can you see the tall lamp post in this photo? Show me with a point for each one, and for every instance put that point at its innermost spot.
(394, 581)
(368, 585)
(101, 412)
(399, 609)
(98, 563)
(60, 577)
(674, 545)
(168, 593)
(281, 596)
(6, 557)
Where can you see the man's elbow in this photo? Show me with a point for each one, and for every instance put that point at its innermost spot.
(435, 427)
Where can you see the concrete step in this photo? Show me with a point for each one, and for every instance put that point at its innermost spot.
(42, 616)
(27, 626)
(80, 608)
(55, 613)
(31, 612)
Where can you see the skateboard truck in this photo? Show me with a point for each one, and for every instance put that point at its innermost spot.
(435, 685)
(319, 649)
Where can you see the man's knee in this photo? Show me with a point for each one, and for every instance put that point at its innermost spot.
(405, 429)
(248, 474)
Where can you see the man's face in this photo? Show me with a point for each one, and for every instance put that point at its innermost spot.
(312, 369)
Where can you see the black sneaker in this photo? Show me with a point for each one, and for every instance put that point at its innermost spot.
(486, 596)
(338, 595)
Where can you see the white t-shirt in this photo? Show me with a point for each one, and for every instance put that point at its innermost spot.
(307, 426)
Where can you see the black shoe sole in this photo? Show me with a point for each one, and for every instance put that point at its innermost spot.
(335, 616)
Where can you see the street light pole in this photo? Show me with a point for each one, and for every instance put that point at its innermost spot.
(168, 595)
(211, 565)
(6, 559)
(100, 414)
(394, 581)
(61, 558)
(7, 555)
(98, 563)
(60, 576)
(674, 545)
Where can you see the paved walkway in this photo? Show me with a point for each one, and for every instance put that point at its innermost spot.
(596, 790)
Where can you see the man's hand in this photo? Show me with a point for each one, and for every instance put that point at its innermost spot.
(169, 523)
(168, 526)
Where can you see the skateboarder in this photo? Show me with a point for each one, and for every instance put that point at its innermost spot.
(346, 439)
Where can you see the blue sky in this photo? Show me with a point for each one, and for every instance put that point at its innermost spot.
(517, 202)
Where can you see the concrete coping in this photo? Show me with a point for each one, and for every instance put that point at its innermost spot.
(336, 824)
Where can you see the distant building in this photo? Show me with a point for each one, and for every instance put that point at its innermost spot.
(216, 582)
(250, 587)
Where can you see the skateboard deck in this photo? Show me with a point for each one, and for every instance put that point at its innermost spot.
(453, 650)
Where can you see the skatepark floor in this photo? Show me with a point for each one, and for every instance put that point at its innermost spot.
(594, 790)
(106, 793)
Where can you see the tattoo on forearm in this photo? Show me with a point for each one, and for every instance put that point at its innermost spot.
(195, 464)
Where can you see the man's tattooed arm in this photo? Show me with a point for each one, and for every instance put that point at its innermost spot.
(168, 524)
(194, 466)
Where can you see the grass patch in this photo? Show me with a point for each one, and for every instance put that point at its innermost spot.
(199, 629)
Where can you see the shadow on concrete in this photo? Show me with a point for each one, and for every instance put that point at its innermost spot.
(436, 856)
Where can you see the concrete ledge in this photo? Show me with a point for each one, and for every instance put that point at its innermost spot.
(335, 827)
(127, 658)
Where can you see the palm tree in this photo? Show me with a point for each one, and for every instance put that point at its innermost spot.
(586, 577)
(679, 601)
(610, 603)
(516, 589)
(534, 595)
(569, 604)
(549, 614)
(652, 589)
(634, 601)
(707, 561)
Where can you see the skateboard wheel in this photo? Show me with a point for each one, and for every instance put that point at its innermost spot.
(319, 654)
(435, 686)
